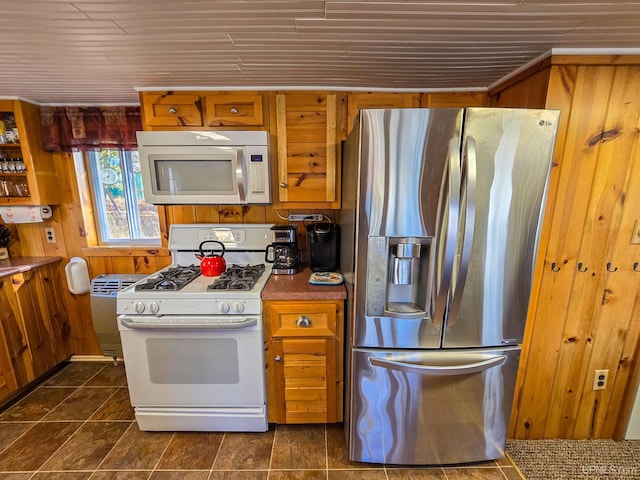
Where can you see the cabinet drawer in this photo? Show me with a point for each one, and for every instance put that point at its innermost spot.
(171, 110)
(302, 319)
(228, 110)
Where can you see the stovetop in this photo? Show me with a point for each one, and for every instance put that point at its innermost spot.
(181, 289)
(175, 278)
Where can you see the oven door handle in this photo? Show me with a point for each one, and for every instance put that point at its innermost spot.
(247, 322)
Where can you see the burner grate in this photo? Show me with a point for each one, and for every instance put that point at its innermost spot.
(238, 277)
(173, 278)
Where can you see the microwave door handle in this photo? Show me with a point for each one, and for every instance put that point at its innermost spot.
(240, 167)
(245, 323)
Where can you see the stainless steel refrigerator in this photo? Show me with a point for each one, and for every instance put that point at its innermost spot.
(440, 224)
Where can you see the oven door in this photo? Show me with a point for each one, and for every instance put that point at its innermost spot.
(193, 361)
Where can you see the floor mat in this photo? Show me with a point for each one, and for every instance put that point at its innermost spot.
(576, 459)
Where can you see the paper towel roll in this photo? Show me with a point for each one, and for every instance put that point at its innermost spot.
(25, 214)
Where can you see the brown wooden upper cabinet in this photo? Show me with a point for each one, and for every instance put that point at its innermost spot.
(308, 143)
(171, 109)
(361, 100)
(234, 109)
(203, 110)
(30, 176)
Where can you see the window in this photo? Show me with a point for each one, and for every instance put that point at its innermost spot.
(121, 214)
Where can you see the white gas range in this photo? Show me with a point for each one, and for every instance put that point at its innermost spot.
(193, 345)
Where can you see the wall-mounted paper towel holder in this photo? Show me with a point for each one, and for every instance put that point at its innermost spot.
(77, 275)
(25, 213)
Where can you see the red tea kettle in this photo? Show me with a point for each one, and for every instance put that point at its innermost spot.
(211, 265)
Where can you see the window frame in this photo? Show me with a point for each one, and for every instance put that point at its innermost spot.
(89, 161)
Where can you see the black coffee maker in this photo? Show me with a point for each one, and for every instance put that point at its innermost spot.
(323, 240)
(283, 251)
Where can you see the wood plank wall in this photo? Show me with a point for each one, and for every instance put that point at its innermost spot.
(585, 314)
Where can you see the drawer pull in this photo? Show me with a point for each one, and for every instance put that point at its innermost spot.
(233, 110)
(173, 110)
(303, 321)
(277, 358)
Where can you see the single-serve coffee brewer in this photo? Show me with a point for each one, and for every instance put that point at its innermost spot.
(283, 251)
(323, 246)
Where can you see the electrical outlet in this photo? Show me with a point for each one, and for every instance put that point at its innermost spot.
(600, 379)
(51, 235)
(299, 217)
(635, 238)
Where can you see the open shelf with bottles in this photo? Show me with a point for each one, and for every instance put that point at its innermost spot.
(27, 172)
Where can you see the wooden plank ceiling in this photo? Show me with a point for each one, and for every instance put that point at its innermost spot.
(101, 51)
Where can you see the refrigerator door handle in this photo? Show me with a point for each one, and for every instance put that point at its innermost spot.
(464, 369)
(447, 221)
(466, 228)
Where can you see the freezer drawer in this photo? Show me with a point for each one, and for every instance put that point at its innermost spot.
(436, 407)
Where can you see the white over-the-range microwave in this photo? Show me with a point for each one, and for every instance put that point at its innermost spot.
(205, 167)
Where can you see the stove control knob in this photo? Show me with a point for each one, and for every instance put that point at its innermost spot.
(238, 307)
(223, 307)
(154, 307)
(138, 307)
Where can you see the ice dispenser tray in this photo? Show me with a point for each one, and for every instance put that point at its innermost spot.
(399, 276)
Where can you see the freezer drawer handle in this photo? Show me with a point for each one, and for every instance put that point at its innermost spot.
(438, 369)
(248, 322)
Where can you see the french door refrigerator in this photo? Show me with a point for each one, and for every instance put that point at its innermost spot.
(440, 223)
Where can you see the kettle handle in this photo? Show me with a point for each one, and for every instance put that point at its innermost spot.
(211, 241)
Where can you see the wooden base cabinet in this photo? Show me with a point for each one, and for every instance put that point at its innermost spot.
(35, 334)
(304, 361)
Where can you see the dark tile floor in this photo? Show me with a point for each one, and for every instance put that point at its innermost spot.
(79, 425)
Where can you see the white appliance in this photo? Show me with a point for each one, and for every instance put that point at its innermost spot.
(210, 167)
(193, 345)
(104, 293)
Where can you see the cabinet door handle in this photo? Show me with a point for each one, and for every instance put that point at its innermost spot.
(277, 358)
(303, 321)
(173, 110)
(283, 185)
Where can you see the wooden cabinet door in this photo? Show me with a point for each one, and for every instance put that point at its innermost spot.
(234, 109)
(36, 325)
(308, 150)
(303, 374)
(14, 333)
(361, 100)
(171, 109)
(304, 361)
(8, 383)
(51, 300)
(8, 351)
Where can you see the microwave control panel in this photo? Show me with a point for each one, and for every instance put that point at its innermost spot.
(257, 175)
